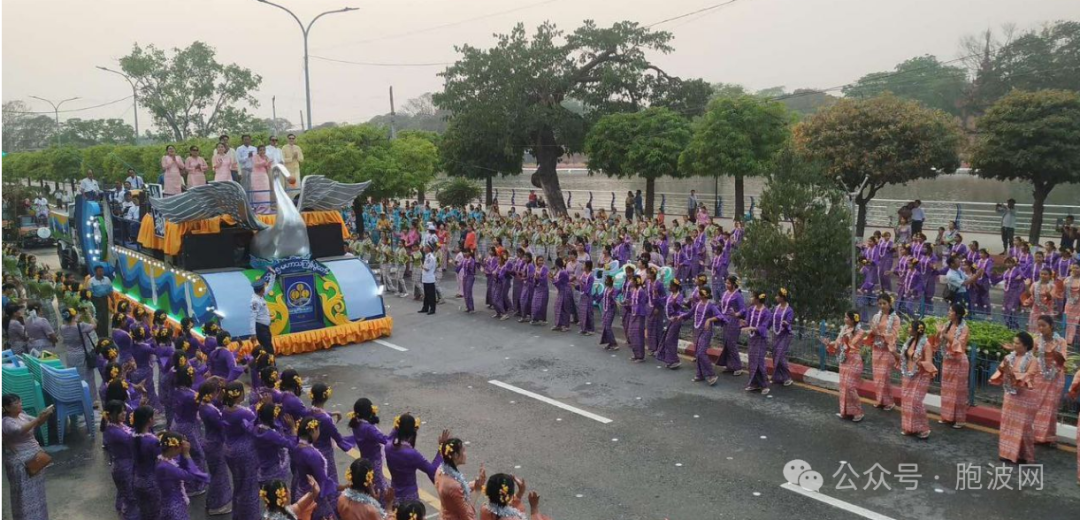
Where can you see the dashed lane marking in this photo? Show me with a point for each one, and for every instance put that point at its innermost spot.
(387, 344)
(835, 502)
(598, 418)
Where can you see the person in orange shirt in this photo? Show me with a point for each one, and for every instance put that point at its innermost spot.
(455, 493)
(954, 368)
(470, 239)
(357, 500)
(275, 496)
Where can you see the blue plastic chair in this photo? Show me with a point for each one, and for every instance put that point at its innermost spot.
(35, 364)
(11, 358)
(70, 394)
(19, 381)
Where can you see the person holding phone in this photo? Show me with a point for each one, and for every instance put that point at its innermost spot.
(27, 492)
(75, 335)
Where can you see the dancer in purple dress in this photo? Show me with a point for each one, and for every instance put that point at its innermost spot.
(220, 494)
(518, 272)
(145, 453)
(539, 292)
(637, 299)
(607, 316)
(681, 262)
(186, 420)
(490, 263)
(668, 353)
(273, 440)
(164, 352)
(370, 440)
(240, 452)
(584, 284)
(705, 314)
(782, 318)
(291, 386)
(563, 296)
(119, 444)
(527, 274)
(1012, 281)
(733, 308)
(143, 352)
(307, 462)
(654, 323)
(504, 275)
(174, 471)
(320, 393)
(467, 268)
(403, 460)
(222, 361)
(758, 318)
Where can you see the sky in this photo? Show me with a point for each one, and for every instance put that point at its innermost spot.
(51, 47)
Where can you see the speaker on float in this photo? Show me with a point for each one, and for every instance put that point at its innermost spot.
(326, 240)
(215, 250)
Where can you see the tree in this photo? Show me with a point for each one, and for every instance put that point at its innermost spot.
(457, 192)
(885, 140)
(798, 242)
(89, 132)
(1033, 137)
(803, 101)
(728, 90)
(687, 98)
(923, 79)
(481, 148)
(523, 81)
(279, 126)
(1047, 58)
(737, 136)
(23, 130)
(190, 93)
(642, 144)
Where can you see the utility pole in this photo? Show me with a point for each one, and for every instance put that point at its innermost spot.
(134, 96)
(852, 194)
(273, 111)
(393, 131)
(56, 112)
(306, 31)
(302, 120)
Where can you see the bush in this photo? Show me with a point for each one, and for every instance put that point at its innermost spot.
(986, 336)
(457, 192)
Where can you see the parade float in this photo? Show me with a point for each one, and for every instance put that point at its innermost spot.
(197, 254)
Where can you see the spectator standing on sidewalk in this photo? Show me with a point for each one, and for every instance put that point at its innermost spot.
(1008, 223)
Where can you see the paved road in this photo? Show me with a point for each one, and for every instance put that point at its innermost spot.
(672, 448)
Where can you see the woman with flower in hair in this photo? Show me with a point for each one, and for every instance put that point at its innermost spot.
(360, 500)
(584, 284)
(780, 326)
(261, 357)
(884, 329)
(563, 296)
(320, 393)
(410, 510)
(704, 314)
(143, 352)
(953, 340)
(668, 352)
(504, 494)
(1050, 352)
(222, 361)
(220, 494)
(273, 440)
(275, 496)
(455, 493)
(657, 312)
(637, 306)
(758, 318)
(142, 321)
(159, 320)
(539, 292)
(186, 419)
(733, 308)
(311, 469)
(1016, 375)
(106, 353)
(371, 442)
(291, 386)
(847, 348)
(121, 337)
(119, 444)
(607, 316)
(174, 471)
(240, 452)
(526, 271)
(145, 449)
(403, 460)
(916, 371)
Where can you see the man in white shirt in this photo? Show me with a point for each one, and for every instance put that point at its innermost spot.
(245, 157)
(917, 217)
(134, 180)
(129, 208)
(88, 187)
(260, 316)
(1008, 223)
(41, 209)
(273, 152)
(691, 204)
(428, 279)
(956, 283)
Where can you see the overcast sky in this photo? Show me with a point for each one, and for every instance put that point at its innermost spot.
(50, 47)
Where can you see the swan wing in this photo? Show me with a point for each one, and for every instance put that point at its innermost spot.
(209, 201)
(317, 193)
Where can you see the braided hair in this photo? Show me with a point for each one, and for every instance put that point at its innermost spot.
(407, 427)
(362, 409)
(449, 448)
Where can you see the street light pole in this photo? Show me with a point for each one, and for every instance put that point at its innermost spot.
(306, 31)
(854, 238)
(134, 96)
(56, 112)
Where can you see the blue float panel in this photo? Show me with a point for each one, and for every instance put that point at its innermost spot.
(232, 292)
(363, 299)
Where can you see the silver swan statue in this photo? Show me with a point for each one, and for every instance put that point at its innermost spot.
(288, 236)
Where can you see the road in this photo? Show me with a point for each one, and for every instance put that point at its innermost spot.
(655, 445)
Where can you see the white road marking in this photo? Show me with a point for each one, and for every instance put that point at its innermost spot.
(835, 502)
(387, 344)
(598, 418)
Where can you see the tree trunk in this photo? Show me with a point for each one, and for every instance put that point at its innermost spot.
(650, 194)
(488, 188)
(860, 221)
(1037, 208)
(545, 176)
(358, 209)
(739, 210)
(420, 195)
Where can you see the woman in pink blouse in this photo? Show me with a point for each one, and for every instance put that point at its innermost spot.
(224, 164)
(172, 166)
(260, 181)
(196, 168)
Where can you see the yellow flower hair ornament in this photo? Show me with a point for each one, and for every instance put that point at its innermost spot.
(504, 494)
(312, 424)
(282, 497)
(413, 516)
(448, 450)
(369, 479)
(857, 318)
(114, 372)
(234, 393)
(783, 292)
(191, 371)
(397, 422)
(374, 409)
(264, 496)
(182, 362)
(170, 442)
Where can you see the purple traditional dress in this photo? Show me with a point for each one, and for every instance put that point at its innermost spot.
(703, 332)
(119, 443)
(307, 460)
(328, 432)
(505, 275)
(733, 307)
(586, 303)
(489, 271)
(146, 450)
(719, 270)
(372, 443)
(527, 292)
(186, 410)
(272, 447)
(222, 363)
(638, 308)
(165, 385)
(540, 295)
(467, 268)
(172, 476)
(654, 324)
(1012, 281)
(220, 491)
(676, 314)
(243, 462)
(563, 299)
(782, 318)
(758, 318)
(143, 352)
(518, 271)
(404, 461)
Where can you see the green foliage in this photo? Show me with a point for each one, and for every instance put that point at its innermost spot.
(644, 144)
(799, 242)
(924, 79)
(885, 139)
(986, 336)
(24, 131)
(1044, 58)
(81, 133)
(737, 136)
(190, 93)
(1033, 137)
(357, 153)
(457, 192)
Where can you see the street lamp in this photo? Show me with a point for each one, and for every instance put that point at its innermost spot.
(306, 31)
(56, 111)
(851, 194)
(134, 96)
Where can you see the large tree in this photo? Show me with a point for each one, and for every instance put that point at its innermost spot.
(525, 81)
(797, 242)
(924, 79)
(89, 132)
(638, 144)
(477, 147)
(884, 140)
(1046, 58)
(1033, 137)
(736, 136)
(25, 130)
(190, 93)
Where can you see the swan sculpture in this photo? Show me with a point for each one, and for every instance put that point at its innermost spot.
(287, 236)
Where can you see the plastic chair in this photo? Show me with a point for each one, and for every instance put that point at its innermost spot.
(11, 358)
(19, 381)
(70, 394)
(34, 364)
